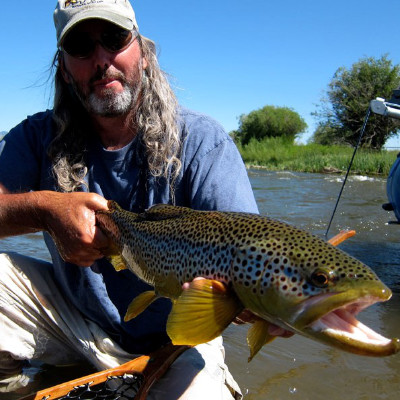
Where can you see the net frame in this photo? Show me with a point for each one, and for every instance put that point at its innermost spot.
(135, 379)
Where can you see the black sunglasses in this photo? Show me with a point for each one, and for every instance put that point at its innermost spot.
(80, 44)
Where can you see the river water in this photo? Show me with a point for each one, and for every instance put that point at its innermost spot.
(298, 368)
(301, 369)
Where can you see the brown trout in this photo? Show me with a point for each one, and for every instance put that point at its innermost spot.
(282, 274)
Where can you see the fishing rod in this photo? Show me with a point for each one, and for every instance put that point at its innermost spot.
(348, 169)
(378, 106)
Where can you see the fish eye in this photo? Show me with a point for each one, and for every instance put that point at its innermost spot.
(320, 278)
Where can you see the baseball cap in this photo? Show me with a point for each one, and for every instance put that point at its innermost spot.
(68, 13)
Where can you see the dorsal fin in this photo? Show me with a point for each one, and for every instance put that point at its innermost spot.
(160, 212)
(113, 206)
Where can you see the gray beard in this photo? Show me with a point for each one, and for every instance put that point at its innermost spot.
(113, 104)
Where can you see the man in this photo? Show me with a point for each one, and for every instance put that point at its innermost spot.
(116, 132)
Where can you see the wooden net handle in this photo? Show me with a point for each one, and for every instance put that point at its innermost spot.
(152, 367)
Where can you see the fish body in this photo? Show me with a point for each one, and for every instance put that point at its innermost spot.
(282, 274)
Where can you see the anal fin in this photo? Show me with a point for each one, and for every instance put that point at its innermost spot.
(113, 254)
(117, 262)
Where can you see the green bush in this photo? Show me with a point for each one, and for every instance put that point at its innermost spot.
(278, 155)
(269, 121)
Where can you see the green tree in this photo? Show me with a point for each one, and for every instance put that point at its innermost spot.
(270, 121)
(326, 135)
(342, 111)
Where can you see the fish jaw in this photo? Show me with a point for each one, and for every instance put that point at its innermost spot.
(339, 327)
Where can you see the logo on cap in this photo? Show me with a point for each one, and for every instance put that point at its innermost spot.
(70, 3)
(78, 3)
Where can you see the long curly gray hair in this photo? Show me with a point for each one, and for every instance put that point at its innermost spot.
(155, 119)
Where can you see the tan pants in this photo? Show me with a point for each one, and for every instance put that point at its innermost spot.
(37, 323)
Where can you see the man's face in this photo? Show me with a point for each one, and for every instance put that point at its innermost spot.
(107, 83)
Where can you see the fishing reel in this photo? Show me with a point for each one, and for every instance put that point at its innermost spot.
(390, 108)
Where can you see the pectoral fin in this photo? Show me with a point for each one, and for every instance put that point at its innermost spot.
(258, 336)
(113, 254)
(139, 304)
(202, 312)
(117, 262)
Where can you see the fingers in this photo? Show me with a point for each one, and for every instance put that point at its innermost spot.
(100, 240)
(246, 317)
(71, 221)
(96, 202)
(186, 285)
(275, 330)
(76, 252)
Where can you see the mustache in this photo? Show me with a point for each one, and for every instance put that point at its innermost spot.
(105, 73)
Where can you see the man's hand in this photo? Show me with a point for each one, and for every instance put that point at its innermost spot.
(71, 221)
(247, 317)
(68, 217)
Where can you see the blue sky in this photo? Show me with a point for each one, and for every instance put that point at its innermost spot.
(225, 58)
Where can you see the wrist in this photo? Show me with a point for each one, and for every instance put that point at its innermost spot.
(39, 208)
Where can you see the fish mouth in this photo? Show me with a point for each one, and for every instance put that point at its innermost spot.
(340, 328)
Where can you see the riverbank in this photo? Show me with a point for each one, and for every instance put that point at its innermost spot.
(275, 155)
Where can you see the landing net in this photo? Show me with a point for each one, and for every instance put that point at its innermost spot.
(123, 387)
(128, 381)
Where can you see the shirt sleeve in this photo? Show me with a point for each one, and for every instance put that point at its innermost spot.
(22, 152)
(217, 176)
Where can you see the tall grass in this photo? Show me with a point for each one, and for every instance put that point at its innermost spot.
(277, 154)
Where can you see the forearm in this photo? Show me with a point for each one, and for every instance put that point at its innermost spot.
(70, 218)
(22, 213)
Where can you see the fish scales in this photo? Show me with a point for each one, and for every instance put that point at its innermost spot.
(234, 247)
(273, 268)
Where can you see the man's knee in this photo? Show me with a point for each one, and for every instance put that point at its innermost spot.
(9, 365)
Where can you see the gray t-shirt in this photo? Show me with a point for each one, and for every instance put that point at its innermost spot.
(213, 177)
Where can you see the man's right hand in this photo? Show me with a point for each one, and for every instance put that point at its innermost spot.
(68, 217)
(71, 221)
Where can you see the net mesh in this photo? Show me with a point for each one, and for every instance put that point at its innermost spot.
(128, 381)
(122, 387)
